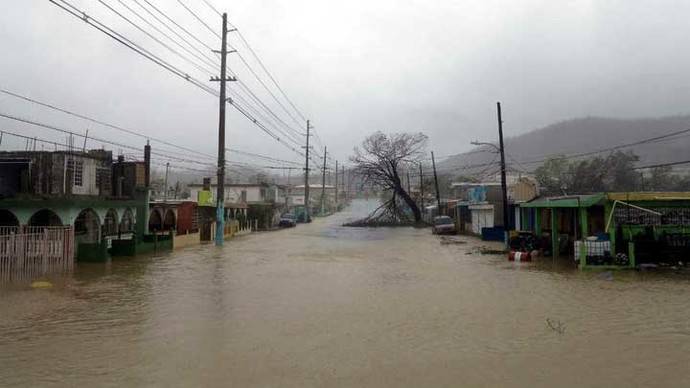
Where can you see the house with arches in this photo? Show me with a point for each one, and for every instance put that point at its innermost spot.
(72, 190)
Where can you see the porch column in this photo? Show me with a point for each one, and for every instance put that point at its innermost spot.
(612, 227)
(537, 220)
(554, 232)
(584, 222)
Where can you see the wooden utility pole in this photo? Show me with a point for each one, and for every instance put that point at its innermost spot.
(421, 187)
(323, 181)
(438, 194)
(306, 177)
(220, 193)
(504, 185)
(336, 185)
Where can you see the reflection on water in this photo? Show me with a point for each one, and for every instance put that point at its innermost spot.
(326, 305)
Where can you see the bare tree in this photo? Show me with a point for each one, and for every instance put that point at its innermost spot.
(381, 160)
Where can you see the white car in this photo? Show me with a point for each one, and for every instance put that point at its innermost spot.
(443, 225)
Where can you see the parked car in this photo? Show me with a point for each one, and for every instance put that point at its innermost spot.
(443, 225)
(287, 220)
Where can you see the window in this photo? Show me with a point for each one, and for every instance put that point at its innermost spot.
(76, 167)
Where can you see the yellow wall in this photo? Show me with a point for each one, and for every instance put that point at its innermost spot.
(186, 240)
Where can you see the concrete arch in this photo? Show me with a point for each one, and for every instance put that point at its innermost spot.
(7, 218)
(127, 221)
(155, 220)
(111, 223)
(45, 217)
(170, 220)
(87, 226)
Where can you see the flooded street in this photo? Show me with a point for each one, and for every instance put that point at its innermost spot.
(324, 305)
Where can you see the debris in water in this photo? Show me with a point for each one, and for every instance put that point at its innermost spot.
(490, 251)
(41, 284)
(556, 325)
(445, 240)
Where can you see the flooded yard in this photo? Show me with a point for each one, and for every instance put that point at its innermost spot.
(324, 305)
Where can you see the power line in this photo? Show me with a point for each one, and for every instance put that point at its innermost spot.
(92, 138)
(242, 84)
(199, 67)
(212, 7)
(662, 165)
(78, 13)
(262, 156)
(251, 50)
(207, 60)
(199, 19)
(83, 117)
(626, 145)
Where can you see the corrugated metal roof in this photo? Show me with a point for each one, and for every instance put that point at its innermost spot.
(650, 196)
(566, 201)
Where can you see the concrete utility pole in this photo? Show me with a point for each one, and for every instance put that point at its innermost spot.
(438, 194)
(323, 182)
(336, 185)
(306, 177)
(165, 183)
(504, 186)
(220, 194)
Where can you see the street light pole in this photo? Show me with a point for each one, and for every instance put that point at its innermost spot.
(504, 185)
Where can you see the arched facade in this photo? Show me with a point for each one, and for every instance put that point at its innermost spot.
(170, 221)
(155, 221)
(111, 223)
(7, 218)
(127, 221)
(45, 217)
(87, 227)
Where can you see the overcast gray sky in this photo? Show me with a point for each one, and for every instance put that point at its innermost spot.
(357, 66)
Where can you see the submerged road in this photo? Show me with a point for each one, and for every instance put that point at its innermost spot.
(326, 306)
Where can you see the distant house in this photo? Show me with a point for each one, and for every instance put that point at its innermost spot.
(480, 204)
(315, 193)
(262, 201)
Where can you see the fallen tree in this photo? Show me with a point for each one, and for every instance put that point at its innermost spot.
(380, 162)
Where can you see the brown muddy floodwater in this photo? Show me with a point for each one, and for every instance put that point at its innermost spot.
(325, 306)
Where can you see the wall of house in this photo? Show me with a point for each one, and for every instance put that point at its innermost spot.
(187, 221)
(522, 190)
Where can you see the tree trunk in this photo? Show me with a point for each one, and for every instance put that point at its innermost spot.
(410, 202)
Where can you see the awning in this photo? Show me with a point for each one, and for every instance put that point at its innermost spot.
(569, 201)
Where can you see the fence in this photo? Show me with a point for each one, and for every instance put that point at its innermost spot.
(31, 251)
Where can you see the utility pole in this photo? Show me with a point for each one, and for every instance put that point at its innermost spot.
(504, 186)
(438, 195)
(323, 181)
(220, 194)
(336, 185)
(409, 190)
(165, 183)
(306, 177)
(421, 187)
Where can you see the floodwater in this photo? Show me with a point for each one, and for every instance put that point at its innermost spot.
(325, 306)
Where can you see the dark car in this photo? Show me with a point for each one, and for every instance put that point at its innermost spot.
(443, 225)
(287, 220)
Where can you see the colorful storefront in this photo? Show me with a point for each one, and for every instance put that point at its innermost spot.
(613, 230)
